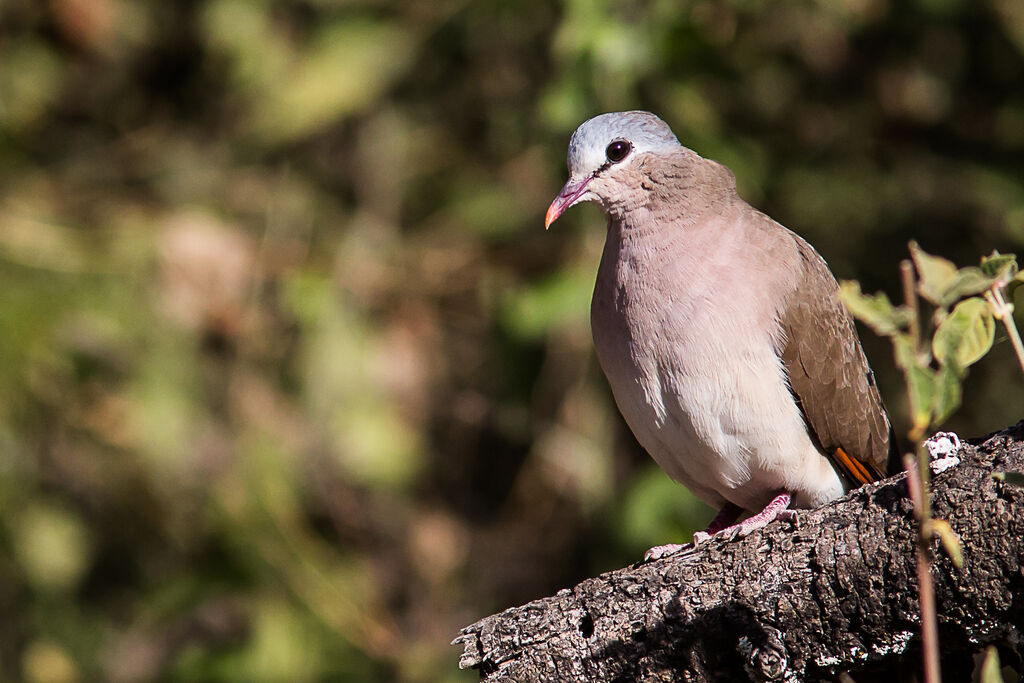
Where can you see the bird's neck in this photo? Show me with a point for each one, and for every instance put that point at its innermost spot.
(682, 190)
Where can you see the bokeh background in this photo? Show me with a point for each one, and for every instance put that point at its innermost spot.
(293, 384)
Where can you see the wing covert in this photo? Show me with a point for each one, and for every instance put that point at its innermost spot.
(830, 377)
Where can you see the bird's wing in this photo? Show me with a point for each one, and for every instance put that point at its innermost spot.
(830, 377)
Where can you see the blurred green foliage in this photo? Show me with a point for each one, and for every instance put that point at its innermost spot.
(292, 382)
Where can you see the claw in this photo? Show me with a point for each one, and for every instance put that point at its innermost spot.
(701, 537)
(660, 551)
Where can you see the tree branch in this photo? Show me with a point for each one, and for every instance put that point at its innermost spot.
(838, 593)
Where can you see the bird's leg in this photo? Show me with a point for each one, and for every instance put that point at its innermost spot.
(725, 517)
(778, 508)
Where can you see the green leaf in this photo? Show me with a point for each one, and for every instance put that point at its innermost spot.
(966, 334)
(950, 541)
(921, 392)
(875, 311)
(946, 395)
(920, 380)
(991, 670)
(942, 283)
(967, 281)
(907, 354)
(1000, 266)
(933, 394)
(935, 274)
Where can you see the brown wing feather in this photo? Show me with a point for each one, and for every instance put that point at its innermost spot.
(830, 377)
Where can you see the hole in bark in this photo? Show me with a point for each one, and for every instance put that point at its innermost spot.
(587, 626)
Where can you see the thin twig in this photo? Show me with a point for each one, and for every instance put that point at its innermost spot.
(929, 625)
(917, 481)
(1004, 311)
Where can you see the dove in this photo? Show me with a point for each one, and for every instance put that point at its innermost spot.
(726, 346)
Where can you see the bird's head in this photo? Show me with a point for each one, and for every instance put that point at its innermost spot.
(604, 158)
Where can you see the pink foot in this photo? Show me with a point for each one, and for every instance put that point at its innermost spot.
(660, 551)
(726, 516)
(722, 526)
(778, 508)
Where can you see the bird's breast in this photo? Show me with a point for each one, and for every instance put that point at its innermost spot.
(687, 347)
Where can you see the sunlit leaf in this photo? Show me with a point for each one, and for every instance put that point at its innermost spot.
(950, 541)
(935, 274)
(941, 283)
(907, 354)
(947, 393)
(991, 670)
(967, 281)
(998, 265)
(921, 390)
(966, 335)
(875, 311)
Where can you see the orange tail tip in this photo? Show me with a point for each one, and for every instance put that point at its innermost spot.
(852, 467)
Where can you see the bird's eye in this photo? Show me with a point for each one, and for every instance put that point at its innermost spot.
(618, 150)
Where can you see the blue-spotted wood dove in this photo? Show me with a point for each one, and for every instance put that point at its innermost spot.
(720, 331)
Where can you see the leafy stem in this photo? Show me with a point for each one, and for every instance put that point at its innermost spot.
(966, 303)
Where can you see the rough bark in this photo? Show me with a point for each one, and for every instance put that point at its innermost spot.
(837, 593)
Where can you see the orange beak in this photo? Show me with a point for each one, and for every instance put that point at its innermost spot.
(569, 195)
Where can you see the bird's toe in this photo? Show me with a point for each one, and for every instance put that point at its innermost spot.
(700, 537)
(660, 551)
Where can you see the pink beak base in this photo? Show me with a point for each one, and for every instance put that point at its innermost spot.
(568, 195)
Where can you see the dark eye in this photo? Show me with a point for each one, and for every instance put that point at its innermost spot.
(617, 151)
